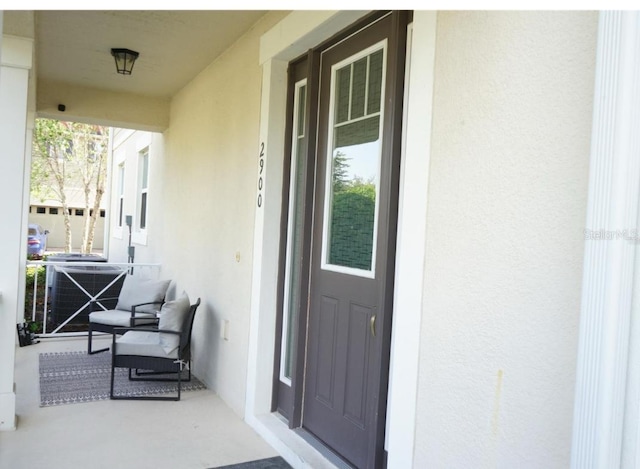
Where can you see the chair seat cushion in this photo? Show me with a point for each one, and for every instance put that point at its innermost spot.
(142, 343)
(118, 318)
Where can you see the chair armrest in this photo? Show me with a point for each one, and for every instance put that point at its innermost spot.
(122, 330)
(97, 300)
(133, 307)
(103, 299)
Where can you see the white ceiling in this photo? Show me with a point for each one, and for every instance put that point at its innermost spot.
(74, 46)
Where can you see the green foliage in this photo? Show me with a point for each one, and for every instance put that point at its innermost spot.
(352, 224)
(32, 272)
(52, 145)
(67, 153)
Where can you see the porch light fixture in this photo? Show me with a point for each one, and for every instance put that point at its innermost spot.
(125, 59)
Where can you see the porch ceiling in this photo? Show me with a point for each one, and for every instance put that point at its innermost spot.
(73, 47)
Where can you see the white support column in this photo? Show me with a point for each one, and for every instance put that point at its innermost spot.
(607, 284)
(15, 62)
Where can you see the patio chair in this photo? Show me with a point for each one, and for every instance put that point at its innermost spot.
(137, 305)
(161, 352)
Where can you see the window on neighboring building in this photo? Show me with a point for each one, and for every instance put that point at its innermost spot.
(41, 210)
(53, 211)
(103, 213)
(120, 194)
(143, 186)
(79, 212)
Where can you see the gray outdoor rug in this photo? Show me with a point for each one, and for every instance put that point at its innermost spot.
(71, 377)
(270, 463)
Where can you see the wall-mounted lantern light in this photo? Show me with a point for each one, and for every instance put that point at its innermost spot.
(125, 59)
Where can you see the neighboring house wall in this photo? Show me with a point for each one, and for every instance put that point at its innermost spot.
(54, 222)
(128, 150)
(505, 243)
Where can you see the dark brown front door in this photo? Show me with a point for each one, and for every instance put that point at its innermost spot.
(353, 243)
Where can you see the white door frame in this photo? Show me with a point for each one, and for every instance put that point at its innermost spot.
(610, 244)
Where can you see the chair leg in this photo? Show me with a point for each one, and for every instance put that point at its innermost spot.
(139, 372)
(143, 398)
(90, 340)
(113, 372)
(178, 380)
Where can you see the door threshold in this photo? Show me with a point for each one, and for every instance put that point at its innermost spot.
(322, 448)
(296, 449)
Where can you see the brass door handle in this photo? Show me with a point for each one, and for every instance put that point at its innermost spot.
(372, 325)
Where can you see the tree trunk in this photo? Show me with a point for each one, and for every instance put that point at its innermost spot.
(67, 224)
(85, 248)
(94, 216)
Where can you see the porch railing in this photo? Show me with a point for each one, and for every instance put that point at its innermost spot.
(61, 306)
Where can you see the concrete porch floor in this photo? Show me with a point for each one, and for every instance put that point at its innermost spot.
(198, 432)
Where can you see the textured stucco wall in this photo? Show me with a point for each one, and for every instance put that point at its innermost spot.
(86, 104)
(210, 167)
(506, 210)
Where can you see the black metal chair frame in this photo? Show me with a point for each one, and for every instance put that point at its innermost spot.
(107, 328)
(155, 365)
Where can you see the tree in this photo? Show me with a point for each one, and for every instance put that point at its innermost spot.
(340, 171)
(66, 156)
(90, 147)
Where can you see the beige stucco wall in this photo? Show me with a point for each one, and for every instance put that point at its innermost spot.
(86, 104)
(210, 167)
(506, 213)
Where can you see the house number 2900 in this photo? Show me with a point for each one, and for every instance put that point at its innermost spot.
(260, 179)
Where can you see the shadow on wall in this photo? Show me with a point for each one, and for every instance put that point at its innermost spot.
(206, 345)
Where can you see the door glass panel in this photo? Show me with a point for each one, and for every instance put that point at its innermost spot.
(359, 87)
(375, 81)
(354, 166)
(343, 86)
(294, 235)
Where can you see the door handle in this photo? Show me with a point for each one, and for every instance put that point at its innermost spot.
(372, 325)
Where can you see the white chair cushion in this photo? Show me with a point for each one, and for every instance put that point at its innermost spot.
(114, 317)
(135, 291)
(142, 343)
(172, 317)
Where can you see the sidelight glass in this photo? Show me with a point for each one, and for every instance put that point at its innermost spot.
(353, 167)
(294, 234)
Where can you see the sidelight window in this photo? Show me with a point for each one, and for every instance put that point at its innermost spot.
(295, 230)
